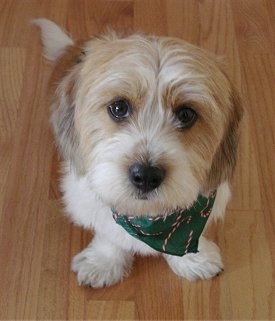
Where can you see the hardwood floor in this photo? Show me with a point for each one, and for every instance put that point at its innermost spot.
(37, 242)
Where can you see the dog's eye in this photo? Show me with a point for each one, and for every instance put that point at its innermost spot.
(186, 116)
(119, 110)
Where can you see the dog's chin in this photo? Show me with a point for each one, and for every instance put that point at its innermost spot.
(142, 209)
(146, 204)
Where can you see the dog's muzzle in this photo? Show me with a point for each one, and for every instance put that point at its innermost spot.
(146, 177)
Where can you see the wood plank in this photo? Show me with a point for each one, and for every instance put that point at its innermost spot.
(247, 263)
(253, 26)
(260, 67)
(183, 20)
(259, 78)
(97, 17)
(55, 266)
(198, 300)
(23, 214)
(153, 19)
(14, 22)
(158, 292)
(12, 62)
(110, 310)
(245, 185)
(215, 16)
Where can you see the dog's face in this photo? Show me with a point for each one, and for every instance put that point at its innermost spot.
(152, 122)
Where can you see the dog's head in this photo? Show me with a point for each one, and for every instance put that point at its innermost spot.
(150, 121)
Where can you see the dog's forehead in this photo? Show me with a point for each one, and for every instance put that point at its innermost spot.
(138, 67)
(119, 53)
(155, 53)
(168, 61)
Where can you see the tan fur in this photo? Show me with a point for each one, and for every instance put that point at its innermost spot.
(224, 161)
(138, 69)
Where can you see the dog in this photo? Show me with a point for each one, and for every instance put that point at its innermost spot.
(148, 129)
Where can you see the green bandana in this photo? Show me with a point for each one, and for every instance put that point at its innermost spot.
(175, 234)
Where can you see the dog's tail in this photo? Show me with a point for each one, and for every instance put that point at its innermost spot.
(54, 39)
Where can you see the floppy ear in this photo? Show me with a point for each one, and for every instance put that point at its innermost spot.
(63, 121)
(224, 161)
(63, 90)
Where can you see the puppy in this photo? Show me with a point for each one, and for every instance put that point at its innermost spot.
(148, 129)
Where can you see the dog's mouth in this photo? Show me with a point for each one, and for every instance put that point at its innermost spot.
(202, 206)
(145, 196)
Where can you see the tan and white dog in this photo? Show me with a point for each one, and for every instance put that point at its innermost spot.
(146, 126)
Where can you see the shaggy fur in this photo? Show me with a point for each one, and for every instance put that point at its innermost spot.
(156, 76)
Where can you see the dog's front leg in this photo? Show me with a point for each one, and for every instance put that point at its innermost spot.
(204, 264)
(102, 263)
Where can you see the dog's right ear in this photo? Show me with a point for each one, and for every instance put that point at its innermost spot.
(225, 158)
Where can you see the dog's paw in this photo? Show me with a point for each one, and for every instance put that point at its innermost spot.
(205, 264)
(97, 269)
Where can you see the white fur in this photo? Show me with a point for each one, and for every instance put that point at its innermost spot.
(202, 265)
(102, 263)
(116, 246)
(222, 198)
(86, 209)
(54, 39)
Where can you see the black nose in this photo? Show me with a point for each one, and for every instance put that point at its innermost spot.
(146, 177)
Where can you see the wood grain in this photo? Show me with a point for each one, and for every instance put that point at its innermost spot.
(12, 62)
(37, 242)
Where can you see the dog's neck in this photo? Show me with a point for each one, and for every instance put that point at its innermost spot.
(174, 234)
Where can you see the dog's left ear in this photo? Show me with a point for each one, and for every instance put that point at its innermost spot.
(60, 48)
(63, 122)
(224, 161)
